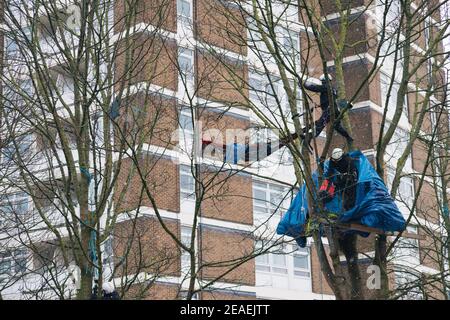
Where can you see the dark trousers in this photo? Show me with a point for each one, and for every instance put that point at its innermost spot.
(347, 187)
(324, 119)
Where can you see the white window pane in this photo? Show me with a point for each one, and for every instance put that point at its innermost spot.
(261, 185)
(20, 265)
(263, 268)
(279, 260)
(186, 236)
(187, 182)
(302, 273)
(185, 61)
(262, 259)
(184, 8)
(301, 261)
(186, 122)
(260, 209)
(279, 270)
(5, 266)
(259, 195)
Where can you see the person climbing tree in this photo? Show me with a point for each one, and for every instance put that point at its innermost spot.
(342, 170)
(326, 114)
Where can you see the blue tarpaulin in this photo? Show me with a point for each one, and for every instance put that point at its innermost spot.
(374, 207)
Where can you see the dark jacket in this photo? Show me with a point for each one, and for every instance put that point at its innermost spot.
(323, 90)
(343, 172)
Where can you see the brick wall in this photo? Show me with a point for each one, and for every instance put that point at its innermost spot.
(142, 245)
(361, 130)
(228, 197)
(220, 245)
(162, 178)
(161, 14)
(221, 25)
(319, 283)
(154, 291)
(430, 248)
(147, 58)
(221, 79)
(309, 55)
(215, 122)
(150, 119)
(356, 40)
(419, 157)
(427, 206)
(329, 6)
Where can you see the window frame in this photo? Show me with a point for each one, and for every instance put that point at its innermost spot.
(266, 263)
(269, 191)
(180, 14)
(12, 257)
(186, 193)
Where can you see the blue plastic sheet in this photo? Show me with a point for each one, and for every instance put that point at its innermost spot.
(374, 207)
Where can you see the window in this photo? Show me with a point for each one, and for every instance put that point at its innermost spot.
(184, 295)
(65, 84)
(16, 41)
(15, 203)
(14, 208)
(290, 42)
(430, 60)
(405, 192)
(283, 267)
(184, 9)
(273, 262)
(397, 146)
(17, 96)
(185, 256)
(407, 249)
(186, 131)
(394, 12)
(256, 86)
(13, 263)
(407, 283)
(301, 262)
(11, 46)
(186, 64)
(290, 11)
(256, 44)
(71, 135)
(187, 183)
(272, 90)
(268, 200)
(108, 251)
(11, 152)
(385, 82)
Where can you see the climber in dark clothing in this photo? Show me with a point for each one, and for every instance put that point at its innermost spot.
(108, 292)
(326, 113)
(343, 169)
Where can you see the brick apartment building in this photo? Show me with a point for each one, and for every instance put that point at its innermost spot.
(194, 46)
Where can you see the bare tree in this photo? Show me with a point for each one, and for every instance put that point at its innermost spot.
(389, 31)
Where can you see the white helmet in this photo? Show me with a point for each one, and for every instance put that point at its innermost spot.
(108, 287)
(337, 154)
(322, 77)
